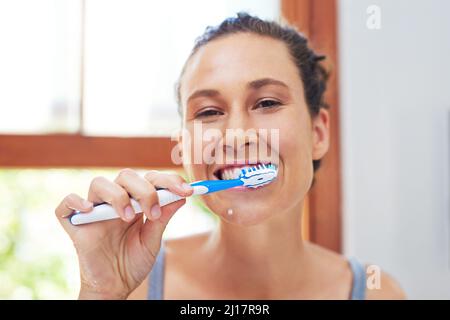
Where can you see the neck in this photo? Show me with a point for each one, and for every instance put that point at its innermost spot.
(272, 250)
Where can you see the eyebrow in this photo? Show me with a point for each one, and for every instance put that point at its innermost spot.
(203, 93)
(255, 84)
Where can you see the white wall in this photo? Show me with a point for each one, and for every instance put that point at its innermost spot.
(395, 111)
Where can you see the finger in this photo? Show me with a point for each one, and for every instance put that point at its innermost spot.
(173, 182)
(103, 190)
(152, 231)
(68, 205)
(141, 190)
(169, 210)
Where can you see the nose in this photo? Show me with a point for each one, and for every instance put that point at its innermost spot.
(240, 137)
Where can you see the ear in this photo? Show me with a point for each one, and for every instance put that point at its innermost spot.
(183, 137)
(179, 139)
(176, 154)
(179, 136)
(321, 134)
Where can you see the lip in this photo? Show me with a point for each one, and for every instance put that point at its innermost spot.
(245, 189)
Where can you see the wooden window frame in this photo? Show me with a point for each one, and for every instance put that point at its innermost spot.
(317, 20)
(67, 150)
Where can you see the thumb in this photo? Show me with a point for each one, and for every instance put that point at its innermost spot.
(152, 230)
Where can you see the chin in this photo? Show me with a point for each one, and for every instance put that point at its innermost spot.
(248, 207)
(246, 215)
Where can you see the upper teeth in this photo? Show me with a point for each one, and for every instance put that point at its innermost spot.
(233, 173)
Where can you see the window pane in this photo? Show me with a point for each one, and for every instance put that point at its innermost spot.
(134, 53)
(37, 258)
(39, 63)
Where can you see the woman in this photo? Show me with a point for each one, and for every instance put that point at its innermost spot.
(244, 74)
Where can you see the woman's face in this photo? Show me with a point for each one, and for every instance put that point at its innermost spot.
(249, 83)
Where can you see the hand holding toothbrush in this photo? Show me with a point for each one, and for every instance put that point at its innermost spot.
(115, 256)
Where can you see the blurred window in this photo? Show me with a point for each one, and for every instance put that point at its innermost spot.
(102, 67)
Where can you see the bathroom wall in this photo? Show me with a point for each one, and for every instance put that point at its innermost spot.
(395, 133)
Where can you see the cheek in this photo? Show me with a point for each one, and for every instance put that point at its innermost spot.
(189, 154)
(295, 144)
(295, 136)
(296, 152)
(198, 149)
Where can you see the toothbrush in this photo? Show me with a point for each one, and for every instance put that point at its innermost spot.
(251, 177)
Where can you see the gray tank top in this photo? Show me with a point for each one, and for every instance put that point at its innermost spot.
(156, 278)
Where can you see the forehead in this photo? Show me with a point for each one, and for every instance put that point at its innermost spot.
(238, 59)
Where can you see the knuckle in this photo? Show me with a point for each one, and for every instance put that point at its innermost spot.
(151, 174)
(150, 197)
(167, 176)
(120, 196)
(146, 193)
(176, 177)
(71, 198)
(152, 192)
(96, 181)
(174, 180)
(67, 202)
(127, 172)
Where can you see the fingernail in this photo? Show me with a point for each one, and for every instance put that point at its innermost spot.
(87, 204)
(186, 187)
(129, 213)
(155, 212)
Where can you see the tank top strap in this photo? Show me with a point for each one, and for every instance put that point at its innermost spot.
(359, 280)
(156, 278)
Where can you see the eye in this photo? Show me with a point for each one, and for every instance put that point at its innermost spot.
(208, 113)
(267, 104)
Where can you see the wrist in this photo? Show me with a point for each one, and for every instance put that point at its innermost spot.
(89, 294)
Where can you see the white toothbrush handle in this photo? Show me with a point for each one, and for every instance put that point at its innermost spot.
(106, 211)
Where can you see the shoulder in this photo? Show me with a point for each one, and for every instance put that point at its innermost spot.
(183, 244)
(330, 271)
(175, 249)
(379, 284)
(327, 260)
(383, 288)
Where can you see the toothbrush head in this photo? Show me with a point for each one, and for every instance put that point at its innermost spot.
(259, 175)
